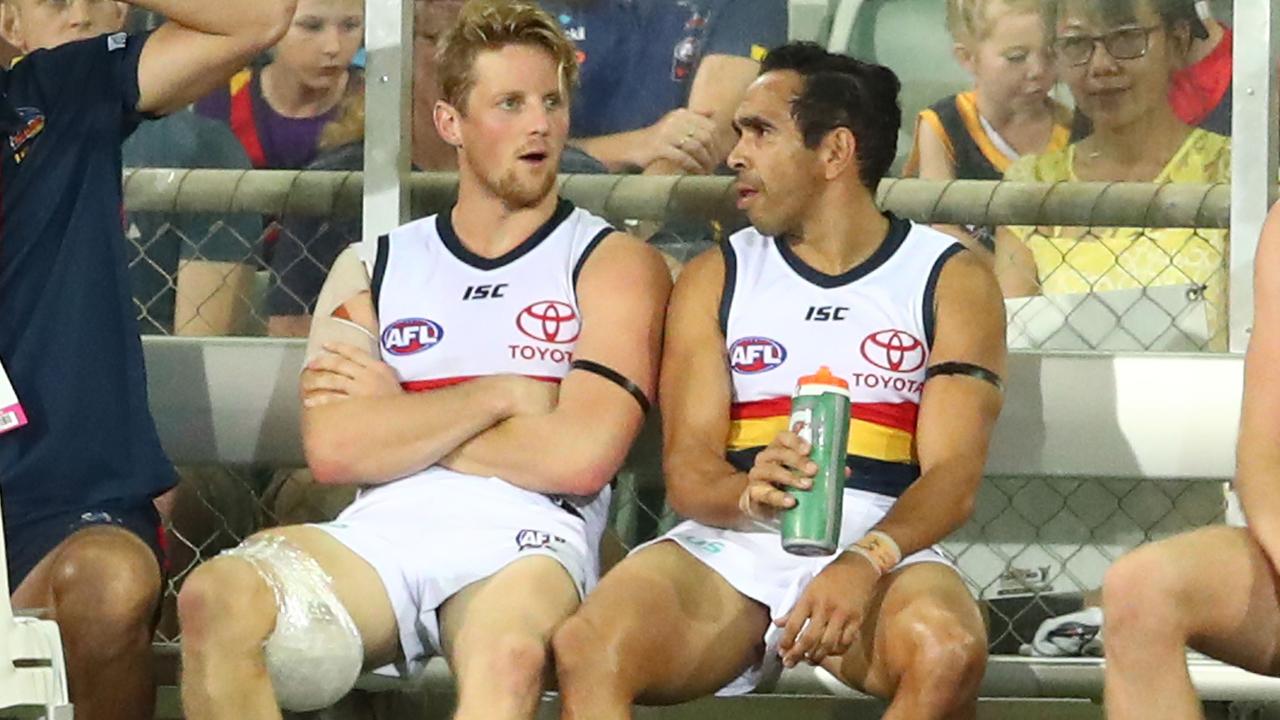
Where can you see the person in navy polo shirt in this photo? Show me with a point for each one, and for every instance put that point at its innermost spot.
(78, 480)
(661, 78)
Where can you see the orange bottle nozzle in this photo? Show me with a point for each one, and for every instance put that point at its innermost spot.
(824, 376)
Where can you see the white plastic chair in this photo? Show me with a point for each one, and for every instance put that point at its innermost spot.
(32, 670)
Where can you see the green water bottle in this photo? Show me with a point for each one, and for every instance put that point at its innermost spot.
(820, 416)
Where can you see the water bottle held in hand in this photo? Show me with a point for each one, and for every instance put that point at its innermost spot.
(820, 416)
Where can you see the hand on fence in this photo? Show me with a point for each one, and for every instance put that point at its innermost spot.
(826, 619)
(784, 463)
(345, 371)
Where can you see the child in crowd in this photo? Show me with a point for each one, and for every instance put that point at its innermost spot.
(279, 111)
(979, 133)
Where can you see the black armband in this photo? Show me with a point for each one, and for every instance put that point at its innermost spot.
(964, 368)
(614, 377)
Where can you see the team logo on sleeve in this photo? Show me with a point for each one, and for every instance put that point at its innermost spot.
(752, 355)
(412, 335)
(894, 350)
(31, 123)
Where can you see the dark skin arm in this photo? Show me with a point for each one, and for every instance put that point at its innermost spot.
(957, 416)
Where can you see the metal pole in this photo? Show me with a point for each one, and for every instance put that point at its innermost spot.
(1253, 151)
(387, 124)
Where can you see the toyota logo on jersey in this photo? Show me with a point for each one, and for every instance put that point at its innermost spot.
(550, 321)
(751, 355)
(412, 335)
(894, 350)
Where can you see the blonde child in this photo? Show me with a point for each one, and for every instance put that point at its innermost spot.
(978, 133)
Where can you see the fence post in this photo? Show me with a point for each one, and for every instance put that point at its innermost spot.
(1253, 151)
(387, 124)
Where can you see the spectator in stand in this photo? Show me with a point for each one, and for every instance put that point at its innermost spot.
(661, 79)
(279, 111)
(1201, 90)
(979, 133)
(1119, 58)
(192, 273)
(309, 245)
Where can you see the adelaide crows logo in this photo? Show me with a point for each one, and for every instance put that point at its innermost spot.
(30, 124)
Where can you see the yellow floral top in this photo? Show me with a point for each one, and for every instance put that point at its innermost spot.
(1085, 259)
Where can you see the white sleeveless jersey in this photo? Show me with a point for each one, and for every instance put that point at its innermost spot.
(872, 326)
(447, 315)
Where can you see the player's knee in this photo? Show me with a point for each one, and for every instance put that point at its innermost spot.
(106, 582)
(577, 646)
(515, 662)
(1139, 593)
(945, 648)
(226, 600)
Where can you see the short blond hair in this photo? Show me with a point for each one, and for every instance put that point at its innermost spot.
(970, 21)
(491, 25)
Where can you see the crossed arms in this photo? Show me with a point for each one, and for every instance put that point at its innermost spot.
(359, 427)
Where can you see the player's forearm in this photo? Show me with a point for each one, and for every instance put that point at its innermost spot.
(366, 441)
(259, 22)
(618, 152)
(556, 453)
(706, 488)
(933, 507)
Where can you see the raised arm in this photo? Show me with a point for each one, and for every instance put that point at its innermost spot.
(202, 44)
(696, 395)
(957, 412)
(577, 448)
(358, 426)
(1258, 448)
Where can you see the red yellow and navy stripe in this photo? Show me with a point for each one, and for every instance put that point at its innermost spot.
(880, 431)
(881, 451)
(437, 383)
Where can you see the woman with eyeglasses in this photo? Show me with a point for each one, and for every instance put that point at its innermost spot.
(1119, 58)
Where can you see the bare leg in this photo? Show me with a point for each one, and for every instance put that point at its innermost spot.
(497, 632)
(102, 584)
(1213, 589)
(228, 611)
(922, 644)
(661, 628)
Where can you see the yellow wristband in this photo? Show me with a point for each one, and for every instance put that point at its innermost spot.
(880, 549)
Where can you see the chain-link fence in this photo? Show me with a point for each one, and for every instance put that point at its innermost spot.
(260, 243)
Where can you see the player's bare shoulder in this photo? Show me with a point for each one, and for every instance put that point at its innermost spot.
(701, 280)
(345, 310)
(969, 280)
(622, 260)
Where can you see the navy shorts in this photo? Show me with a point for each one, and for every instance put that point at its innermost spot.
(28, 542)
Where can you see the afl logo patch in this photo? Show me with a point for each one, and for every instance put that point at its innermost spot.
(412, 335)
(550, 321)
(894, 350)
(752, 355)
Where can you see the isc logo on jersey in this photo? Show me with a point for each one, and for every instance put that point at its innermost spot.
(751, 355)
(412, 335)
